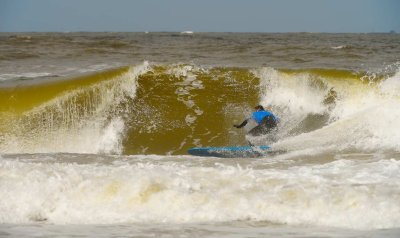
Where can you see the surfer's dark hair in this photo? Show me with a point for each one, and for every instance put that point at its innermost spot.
(259, 107)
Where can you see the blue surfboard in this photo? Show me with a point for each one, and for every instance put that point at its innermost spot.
(231, 152)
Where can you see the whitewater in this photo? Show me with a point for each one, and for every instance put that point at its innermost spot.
(94, 138)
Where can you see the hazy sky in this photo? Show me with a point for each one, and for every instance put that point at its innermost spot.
(201, 15)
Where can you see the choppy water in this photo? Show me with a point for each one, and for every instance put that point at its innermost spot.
(94, 129)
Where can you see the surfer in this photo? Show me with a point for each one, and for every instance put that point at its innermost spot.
(266, 121)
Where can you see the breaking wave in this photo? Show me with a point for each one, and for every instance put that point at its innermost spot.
(166, 109)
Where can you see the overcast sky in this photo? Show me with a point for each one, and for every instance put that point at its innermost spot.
(200, 15)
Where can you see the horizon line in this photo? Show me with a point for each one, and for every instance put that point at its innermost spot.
(190, 32)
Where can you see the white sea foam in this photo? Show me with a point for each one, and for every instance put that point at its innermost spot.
(391, 86)
(344, 193)
(339, 47)
(291, 98)
(364, 116)
(294, 94)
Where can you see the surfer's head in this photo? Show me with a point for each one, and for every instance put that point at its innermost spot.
(259, 108)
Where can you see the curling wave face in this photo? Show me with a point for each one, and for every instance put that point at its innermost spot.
(166, 109)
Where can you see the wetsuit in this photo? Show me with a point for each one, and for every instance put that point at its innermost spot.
(266, 122)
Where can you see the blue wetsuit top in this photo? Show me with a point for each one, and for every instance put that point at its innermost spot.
(260, 115)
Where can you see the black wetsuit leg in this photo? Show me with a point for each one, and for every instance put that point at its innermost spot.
(267, 124)
(257, 131)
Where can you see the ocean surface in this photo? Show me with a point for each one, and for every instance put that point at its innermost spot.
(95, 128)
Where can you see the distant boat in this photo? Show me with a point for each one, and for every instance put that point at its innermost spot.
(187, 32)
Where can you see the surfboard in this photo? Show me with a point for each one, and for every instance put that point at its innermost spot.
(231, 152)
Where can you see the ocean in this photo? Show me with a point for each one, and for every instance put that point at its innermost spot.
(95, 128)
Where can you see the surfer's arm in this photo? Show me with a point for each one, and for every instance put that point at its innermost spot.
(241, 125)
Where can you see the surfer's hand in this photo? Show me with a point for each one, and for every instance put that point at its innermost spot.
(236, 126)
